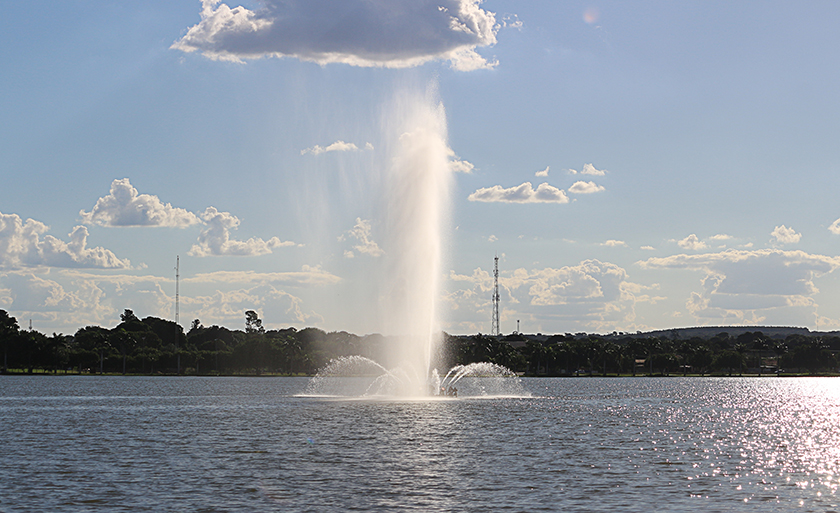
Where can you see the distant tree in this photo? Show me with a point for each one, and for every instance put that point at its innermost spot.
(91, 344)
(196, 325)
(125, 342)
(9, 330)
(728, 360)
(128, 316)
(253, 324)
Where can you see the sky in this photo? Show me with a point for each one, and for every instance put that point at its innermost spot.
(634, 165)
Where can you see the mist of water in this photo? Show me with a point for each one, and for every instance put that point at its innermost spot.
(416, 184)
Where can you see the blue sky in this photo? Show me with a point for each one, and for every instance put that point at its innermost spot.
(688, 152)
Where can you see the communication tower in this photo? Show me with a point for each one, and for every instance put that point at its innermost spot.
(177, 292)
(177, 307)
(494, 328)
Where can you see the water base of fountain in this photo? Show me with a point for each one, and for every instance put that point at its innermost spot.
(360, 377)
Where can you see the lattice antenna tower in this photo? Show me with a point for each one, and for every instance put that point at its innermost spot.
(177, 285)
(494, 328)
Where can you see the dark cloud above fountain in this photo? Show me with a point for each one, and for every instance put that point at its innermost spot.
(370, 33)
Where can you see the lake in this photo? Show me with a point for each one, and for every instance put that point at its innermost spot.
(88, 443)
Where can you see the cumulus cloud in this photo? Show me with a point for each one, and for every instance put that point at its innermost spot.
(739, 284)
(21, 246)
(784, 235)
(524, 193)
(63, 300)
(692, 242)
(591, 295)
(585, 188)
(589, 169)
(336, 146)
(544, 172)
(277, 308)
(124, 206)
(361, 232)
(214, 239)
(393, 34)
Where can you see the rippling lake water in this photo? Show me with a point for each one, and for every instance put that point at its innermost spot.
(254, 444)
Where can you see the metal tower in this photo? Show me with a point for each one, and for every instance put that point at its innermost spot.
(494, 328)
(177, 308)
(177, 284)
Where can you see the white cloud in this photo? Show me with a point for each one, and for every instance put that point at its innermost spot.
(125, 207)
(544, 172)
(21, 246)
(492, 238)
(308, 275)
(361, 232)
(394, 34)
(740, 287)
(65, 300)
(512, 21)
(524, 193)
(648, 248)
(721, 236)
(835, 227)
(276, 307)
(585, 188)
(461, 166)
(592, 295)
(692, 242)
(614, 243)
(589, 169)
(785, 235)
(336, 146)
(214, 240)
(456, 164)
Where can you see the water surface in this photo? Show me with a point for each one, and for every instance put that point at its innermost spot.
(254, 444)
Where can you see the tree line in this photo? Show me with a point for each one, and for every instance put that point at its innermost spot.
(159, 346)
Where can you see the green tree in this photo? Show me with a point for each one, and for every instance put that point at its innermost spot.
(9, 330)
(253, 324)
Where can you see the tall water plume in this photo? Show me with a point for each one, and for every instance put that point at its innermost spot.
(416, 182)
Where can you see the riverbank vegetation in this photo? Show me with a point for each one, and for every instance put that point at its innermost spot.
(158, 346)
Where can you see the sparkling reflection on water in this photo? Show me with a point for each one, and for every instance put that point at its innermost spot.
(241, 444)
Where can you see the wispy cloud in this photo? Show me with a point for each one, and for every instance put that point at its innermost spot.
(124, 206)
(361, 232)
(457, 165)
(544, 172)
(21, 246)
(394, 34)
(308, 275)
(214, 239)
(525, 193)
(614, 243)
